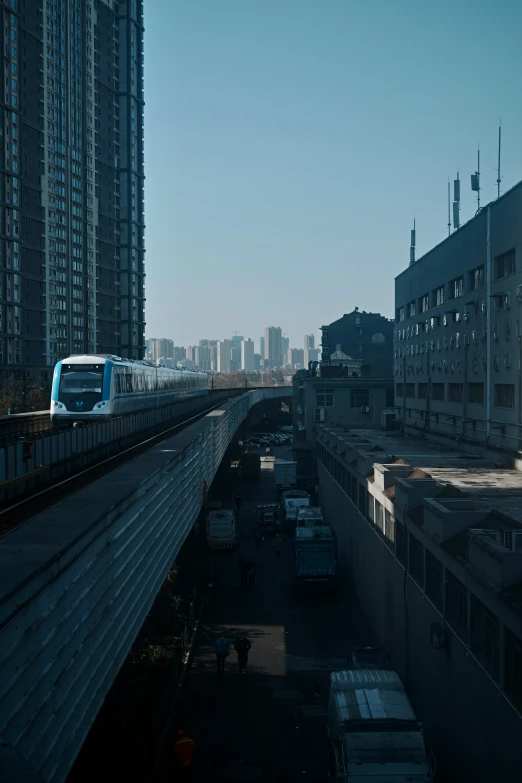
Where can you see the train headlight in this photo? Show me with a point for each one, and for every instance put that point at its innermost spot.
(100, 405)
(59, 405)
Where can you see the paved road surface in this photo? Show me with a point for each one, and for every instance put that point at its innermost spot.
(269, 726)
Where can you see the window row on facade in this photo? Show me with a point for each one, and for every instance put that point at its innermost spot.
(504, 266)
(477, 627)
(503, 393)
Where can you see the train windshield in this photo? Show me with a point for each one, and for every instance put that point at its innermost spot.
(81, 385)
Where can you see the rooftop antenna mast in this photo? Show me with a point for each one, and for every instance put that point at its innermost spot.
(449, 205)
(456, 203)
(499, 178)
(475, 180)
(412, 243)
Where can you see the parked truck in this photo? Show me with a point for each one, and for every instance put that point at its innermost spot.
(374, 736)
(292, 500)
(285, 474)
(250, 465)
(315, 551)
(310, 516)
(221, 529)
(268, 517)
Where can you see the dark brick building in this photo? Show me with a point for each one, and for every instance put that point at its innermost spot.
(366, 337)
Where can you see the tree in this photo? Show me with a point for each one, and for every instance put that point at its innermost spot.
(23, 395)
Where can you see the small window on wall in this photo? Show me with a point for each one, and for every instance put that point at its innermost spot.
(422, 391)
(505, 265)
(410, 390)
(399, 389)
(325, 398)
(504, 395)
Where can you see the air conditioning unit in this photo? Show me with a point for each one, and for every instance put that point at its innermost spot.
(507, 360)
(511, 539)
(365, 408)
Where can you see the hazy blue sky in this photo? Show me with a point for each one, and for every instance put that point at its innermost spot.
(290, 142)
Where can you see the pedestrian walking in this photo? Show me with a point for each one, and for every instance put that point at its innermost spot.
(242, 647)
(222, 651)
(251, 572)
(277, 545)
(238, 505)
(183, 751)
(243, 570)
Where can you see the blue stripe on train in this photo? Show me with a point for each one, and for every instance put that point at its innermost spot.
(107, 377)
(56, 381)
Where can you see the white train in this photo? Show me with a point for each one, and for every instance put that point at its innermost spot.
(100, 387)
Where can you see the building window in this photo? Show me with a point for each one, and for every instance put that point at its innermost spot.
(399, 389)
(484, 635)
(325, 398)
(416, 560)
(505, 395)
(422, 391)
(359, 397)
(476, 278)
(456, 605)
(476, 393)
(371, 508)
(438, 296)
(505, 265)
(513, 675)
(434, 579)
(437, 391)
(456, 287)
(379, 517)
(357, 319)
(424, 303)
(412, 309)
(455, 392)
(359, 330)
(390, 399)
(389, 526)
(410, 390)
(400, 315)
(359, 347)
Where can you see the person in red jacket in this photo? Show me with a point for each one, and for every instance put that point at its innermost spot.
(183, 751)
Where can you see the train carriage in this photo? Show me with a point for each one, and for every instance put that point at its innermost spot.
(100, 387)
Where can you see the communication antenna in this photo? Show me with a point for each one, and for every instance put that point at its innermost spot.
(412, 244)
(475, 180)
(456, 203)
(499, 178)
(449, 213)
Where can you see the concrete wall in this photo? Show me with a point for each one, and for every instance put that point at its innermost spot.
(472, 727)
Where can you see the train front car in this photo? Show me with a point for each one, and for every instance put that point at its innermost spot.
(81, 390)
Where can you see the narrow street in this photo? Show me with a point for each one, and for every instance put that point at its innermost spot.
(271, 725)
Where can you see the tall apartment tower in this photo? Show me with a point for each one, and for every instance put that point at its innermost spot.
(310, 353)
(247, 355)
(71, 196)
(273, 344)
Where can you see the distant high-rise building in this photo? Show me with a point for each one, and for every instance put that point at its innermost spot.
(295, 358)
(158, 349)
(179, 353)
(262, 347)
(235, 353)
(310, 353)
(257, 361)
(273, 354)
(72, 171)
(285, 345)
(247, 355)
(224, 348)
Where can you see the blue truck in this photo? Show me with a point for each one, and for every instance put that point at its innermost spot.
(315, 551)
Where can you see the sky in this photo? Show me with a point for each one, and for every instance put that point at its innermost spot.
(290, 143)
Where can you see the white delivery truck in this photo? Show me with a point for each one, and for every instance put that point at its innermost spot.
(285, 474)
(311, 516)
(292, 500)
(221, 529)
(374, 736)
